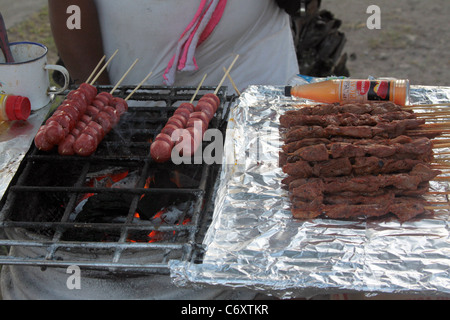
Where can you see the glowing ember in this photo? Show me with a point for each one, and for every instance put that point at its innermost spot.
(171, 215)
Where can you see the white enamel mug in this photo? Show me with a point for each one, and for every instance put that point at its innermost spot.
(28, 76)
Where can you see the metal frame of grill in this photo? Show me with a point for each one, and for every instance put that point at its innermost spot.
(161, 101)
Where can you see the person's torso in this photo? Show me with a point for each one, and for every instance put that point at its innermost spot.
(149, 30)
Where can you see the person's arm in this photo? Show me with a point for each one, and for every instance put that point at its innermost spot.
(79, 49)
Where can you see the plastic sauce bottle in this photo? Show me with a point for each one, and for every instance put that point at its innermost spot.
(353, 91)
(14, 108)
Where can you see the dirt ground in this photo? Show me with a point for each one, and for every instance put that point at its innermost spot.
(17, 11)
(413, 41)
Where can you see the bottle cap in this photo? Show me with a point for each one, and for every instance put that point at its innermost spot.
(17, 108)
(287, 91)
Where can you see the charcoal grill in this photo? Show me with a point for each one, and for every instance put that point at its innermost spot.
(32, 218)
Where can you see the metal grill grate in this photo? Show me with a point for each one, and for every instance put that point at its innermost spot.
(38, 209)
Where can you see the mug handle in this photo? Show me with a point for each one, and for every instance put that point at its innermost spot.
(66, 78)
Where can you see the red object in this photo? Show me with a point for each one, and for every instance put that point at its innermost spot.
(363, 87)
(17, 108)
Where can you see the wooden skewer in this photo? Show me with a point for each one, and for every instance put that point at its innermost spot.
(104, 67)
(435, 124)
(226, 75)
(440, 166)
(198, 89)
(435, 113)
(441, 160)
(232, 82)
(440, 142)
(95, 70)
(436, 207)
(441, 193)
(124, 76)
(438, 202)
(435, 118)
(441, 146)
(427, 105)
(440, 178)
(139, 86)
(428, 130)
(443, 164)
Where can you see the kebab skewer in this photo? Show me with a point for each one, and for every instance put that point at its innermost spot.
(87, 129)
(84, 142)
(71, 110)
(346, 161)
(193, 120)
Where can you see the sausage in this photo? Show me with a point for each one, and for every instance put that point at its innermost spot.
(106, 97)
(79, 96)
(214, 97)
(99, 104)
(195, 133)
(90, 130)
(75, 132)
(40, 140)
(209, 100)
(188, 142)
(103, 119)
(176, 122)
(208, 109)
(65, 121)
(113, 114)
(92, 111)
(161, 151)
(182, 118)
(85, 119)
(184, 112)
(69, 118)
(169, 129)
(89, 90)
(198, 123)
(85, 145)
(200, 115)
(66, 148)
(98, 128)
(202, 102)
(166, 138)
(71, 111)
(102, 99)
(189, 106)
(81, 122)
(120, 105)
(54, 133)
(78, 105)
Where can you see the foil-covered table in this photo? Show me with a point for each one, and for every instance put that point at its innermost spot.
(15, 141)
(254, 243)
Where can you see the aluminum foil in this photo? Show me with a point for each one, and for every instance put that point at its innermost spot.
(255, 243)
(15, 141)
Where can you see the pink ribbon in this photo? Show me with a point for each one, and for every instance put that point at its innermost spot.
(199, 29)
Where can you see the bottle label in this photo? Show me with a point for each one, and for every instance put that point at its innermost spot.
(3, 116)
(366, 90)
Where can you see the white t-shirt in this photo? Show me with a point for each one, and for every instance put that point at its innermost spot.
(148, 30)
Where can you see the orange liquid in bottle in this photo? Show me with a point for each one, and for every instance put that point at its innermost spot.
(353, 91)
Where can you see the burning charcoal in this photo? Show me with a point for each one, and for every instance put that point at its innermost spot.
(152, 204)
(104, 208)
